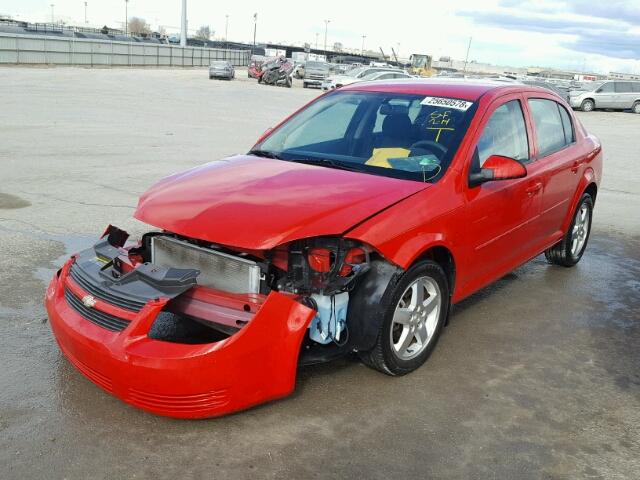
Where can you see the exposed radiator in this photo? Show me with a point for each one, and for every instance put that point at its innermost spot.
(217, 270)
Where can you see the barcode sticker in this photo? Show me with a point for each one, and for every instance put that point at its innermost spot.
(447, 103)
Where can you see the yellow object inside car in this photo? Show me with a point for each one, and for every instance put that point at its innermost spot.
(381, 156)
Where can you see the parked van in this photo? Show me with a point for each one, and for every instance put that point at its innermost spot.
(619, 95)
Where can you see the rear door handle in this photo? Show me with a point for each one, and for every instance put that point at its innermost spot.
(534, 189)
(575, 166)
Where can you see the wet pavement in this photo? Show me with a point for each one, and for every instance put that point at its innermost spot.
(537, 376)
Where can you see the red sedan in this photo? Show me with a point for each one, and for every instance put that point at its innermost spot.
(352, 226)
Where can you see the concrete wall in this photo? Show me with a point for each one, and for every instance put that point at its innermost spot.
(43, 50)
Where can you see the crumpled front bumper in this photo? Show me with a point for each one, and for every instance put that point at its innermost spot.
(253, 366)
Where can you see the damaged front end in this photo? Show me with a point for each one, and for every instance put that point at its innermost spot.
(186, 328)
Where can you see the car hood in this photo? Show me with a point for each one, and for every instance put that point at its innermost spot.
(343, 79)
(258, 203)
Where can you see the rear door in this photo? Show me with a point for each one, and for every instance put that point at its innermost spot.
(559, 159)
(501, 216)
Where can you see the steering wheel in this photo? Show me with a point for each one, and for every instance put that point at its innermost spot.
(437, 149)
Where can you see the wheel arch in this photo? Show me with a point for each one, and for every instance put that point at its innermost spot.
(587, 185)
(443, 256)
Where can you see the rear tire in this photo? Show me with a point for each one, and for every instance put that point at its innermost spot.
(587, 105)
(568, 251)
(412, 322)
(636, 108)
(305, 85)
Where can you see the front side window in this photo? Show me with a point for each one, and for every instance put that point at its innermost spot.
(550, 132)
(635, 87)
(504, 134)
(397, 135)
(606, 88)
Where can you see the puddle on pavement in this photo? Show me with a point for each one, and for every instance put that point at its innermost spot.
(10, 202)
(72, 244)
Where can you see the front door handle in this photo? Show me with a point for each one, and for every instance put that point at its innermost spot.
(534, 189)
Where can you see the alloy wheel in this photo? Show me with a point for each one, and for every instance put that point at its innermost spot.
(580, 230)
(415, 318)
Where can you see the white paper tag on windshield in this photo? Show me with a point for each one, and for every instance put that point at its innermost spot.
(447, 103)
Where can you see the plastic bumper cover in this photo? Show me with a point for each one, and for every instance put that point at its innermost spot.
(255, 365)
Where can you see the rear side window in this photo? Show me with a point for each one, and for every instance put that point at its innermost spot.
(623, 87)
(505, 134)
(635, 86)
(567, 126)
(550, 132)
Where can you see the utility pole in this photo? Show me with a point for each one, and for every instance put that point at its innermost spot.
(126, 17)
(52, 17)
(466, 59)
(255, 26)
(317, 40)
(362, 49)
(183, 25)
(85, 12)
(226, 29)
(326, 26)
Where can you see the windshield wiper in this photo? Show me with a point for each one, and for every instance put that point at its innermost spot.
(265, 154)
(325, 162)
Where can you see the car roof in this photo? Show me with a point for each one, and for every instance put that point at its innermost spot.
(466, 89)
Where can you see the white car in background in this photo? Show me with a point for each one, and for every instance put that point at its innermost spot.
(362, 74)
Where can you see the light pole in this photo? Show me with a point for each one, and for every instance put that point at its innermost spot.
(317, 40)
(255, 26)
(326, 27)
(183, 25)
(226, 29)
(85, 12)
(466, 59)
(126, 17)
(362, 49)
(52, 17)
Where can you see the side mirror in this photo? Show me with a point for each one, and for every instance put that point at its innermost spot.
(497, 167)
(599, 90)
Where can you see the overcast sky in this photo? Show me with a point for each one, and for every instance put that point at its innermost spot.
(597, 35)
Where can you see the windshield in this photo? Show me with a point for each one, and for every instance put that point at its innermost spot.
(219, 64)
(317, 65)
(356, 71)
(396, 135)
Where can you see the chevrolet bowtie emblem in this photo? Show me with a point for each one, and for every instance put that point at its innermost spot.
(88, 301)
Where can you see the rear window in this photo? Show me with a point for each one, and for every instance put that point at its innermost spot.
(552, 132)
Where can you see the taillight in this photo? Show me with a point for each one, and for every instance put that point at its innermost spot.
(320, 259)
(355, 256)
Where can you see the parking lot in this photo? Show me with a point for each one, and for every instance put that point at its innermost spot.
(537, 376)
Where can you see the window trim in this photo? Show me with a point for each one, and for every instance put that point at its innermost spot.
(535, 130)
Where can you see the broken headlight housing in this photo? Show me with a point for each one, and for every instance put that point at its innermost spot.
(325, 265)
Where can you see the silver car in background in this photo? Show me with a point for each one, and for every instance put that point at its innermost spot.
(617, 95)
(355, 75)
(221, 69)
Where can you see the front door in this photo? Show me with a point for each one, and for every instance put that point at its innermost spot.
(501, 216)
(605, 96)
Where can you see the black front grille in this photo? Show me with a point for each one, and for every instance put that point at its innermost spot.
(83, 281)
(101, 319)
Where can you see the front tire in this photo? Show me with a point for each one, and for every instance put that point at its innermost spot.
(417, 308)
(568, 251)
(636, 108)
(587, 105)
